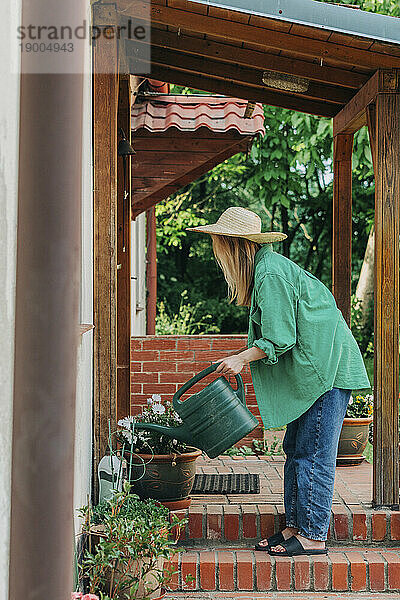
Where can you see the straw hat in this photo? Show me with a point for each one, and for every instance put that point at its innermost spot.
(240, 222)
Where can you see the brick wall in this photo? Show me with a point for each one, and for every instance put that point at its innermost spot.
(161, 364)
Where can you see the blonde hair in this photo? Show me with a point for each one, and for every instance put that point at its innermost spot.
(235, 256)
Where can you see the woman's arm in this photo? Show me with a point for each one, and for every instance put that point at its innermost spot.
(232, 365)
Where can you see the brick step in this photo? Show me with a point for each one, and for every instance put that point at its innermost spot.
(243, 524)
(282, 596)
(343, 570)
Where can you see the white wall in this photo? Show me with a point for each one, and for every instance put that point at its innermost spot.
(9, 132)
(84, 402)
(138, 274)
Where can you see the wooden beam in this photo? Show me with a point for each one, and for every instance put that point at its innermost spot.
(342, 223)
(257, 59)
(151, 270)
(242, 75)
(265, 38)
(371, 122)
(353, 116)
(195, 144)
(105, 96)
(123, 258)
(142, 202)
(228, 88)
(386, 363)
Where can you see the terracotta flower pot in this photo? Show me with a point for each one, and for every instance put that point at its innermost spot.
(168, 478)
(353, 440)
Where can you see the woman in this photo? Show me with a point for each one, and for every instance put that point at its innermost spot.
(304, 363)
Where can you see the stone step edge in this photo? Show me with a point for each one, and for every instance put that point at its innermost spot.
(248, 522)
(342, 570)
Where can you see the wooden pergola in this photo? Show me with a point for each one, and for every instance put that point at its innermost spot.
(312, 57)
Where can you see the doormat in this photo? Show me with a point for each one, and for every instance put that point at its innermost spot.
(243, 483)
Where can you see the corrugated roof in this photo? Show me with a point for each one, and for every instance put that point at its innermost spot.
(318, 14)
(189, 113)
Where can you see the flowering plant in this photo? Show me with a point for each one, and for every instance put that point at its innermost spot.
(134, 537)
(148, 442)
(360, 407)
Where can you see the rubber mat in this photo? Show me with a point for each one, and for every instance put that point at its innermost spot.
(243, 483)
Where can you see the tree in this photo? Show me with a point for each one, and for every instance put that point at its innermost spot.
(287, 179)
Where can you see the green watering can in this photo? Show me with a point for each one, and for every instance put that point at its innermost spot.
(214, 419)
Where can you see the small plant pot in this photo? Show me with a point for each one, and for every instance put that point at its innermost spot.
(149, 587)
(167, 478)
(352, 442)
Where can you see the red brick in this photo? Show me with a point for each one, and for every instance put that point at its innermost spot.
(214, 522)
(244, 570)
(189, 571)
(195, 522)
(263, 571)
(393, 561)
(175, 377)
(207, 571)
(283, 569)
(142, 355)
(229, 344)
(170, 355)
(302, 573)
(136, 343)
(231, 522)
(158, 343)
(395, 526)
(159, 367)
(145, 378)
(378, 526)
(194, 367)
(178, 532)
(376, 566)
(341, 525)
(171, 566)
(226, 565)
(210, 355)
(194, 343)
(159, 388)
(136, 367)
(267, 520)
(321, 573)
(359, 524)
(281, 518)
(339, 572)
(139, 400)
(136, 388)
(249, 521)
(358, 571)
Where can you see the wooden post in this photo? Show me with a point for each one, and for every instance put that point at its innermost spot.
(151, 270)
(105, 96)
(342, 226)
(123, 258)
(386, 363)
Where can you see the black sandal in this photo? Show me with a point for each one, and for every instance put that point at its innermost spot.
(274, 540)
(293, 547)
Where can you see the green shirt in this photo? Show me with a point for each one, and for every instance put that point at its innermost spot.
(308, 345)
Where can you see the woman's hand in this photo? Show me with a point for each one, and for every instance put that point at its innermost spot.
(231, 365)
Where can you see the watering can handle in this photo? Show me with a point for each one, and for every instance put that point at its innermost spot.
(239, 391)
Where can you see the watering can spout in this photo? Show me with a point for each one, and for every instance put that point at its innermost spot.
(178, 433)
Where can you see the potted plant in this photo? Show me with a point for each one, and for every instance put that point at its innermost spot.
(157, 466)
(127, 541)
(354, 435)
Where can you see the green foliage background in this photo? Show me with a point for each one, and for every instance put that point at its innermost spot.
(287, 179)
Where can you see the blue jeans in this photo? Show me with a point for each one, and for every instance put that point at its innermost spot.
(311, 444)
